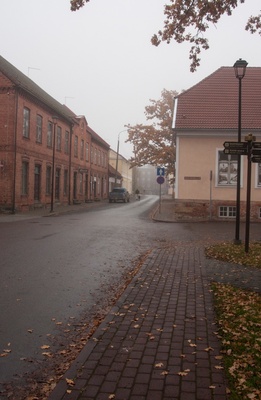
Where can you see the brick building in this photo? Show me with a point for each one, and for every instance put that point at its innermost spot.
(37, 133)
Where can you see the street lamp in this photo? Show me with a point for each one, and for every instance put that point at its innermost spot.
(240, 70)
(55, 119)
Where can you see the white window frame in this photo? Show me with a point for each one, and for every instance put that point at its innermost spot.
(229, 185)
(230, 211)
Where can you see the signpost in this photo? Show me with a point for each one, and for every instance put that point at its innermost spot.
(235, 148)
(160, 180)
(256, 152)
(252, 150)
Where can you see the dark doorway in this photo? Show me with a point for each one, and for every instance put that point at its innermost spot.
(57, 183)
(37, 182)
(75, 185)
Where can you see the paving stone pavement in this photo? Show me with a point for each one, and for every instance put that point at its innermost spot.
(159, 340)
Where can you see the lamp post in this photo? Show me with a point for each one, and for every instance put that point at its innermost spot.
(53, 169)
(240, 70)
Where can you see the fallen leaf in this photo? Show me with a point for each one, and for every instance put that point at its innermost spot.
(164, 373)
(47, 354)
(70, 382)
(182, 373)
(209, 349)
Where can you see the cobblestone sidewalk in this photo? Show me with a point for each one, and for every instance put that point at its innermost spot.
(159, 340)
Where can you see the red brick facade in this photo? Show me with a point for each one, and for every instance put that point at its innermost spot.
(27, 155)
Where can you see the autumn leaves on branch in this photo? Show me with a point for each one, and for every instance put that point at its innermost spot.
(188, 21)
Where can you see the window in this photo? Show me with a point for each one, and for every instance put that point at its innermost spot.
(82, 149)
(48, 179)
(59, 138)
(76, 146)
(259, 175)
(87, 152)
(65, 182)
(66, 143)
(39, 127)
(81, 184)
(26, 123)
(227, 169)
(25, 174)
(50, 135)
(227, 211)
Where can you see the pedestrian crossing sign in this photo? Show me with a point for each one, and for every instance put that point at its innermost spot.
(160, 171)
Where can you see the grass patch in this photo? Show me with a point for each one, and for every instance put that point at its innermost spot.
(239, 318)
(236, 253)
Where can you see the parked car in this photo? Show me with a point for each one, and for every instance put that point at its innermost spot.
(119, 194)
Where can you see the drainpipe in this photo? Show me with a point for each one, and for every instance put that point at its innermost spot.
(15, 150)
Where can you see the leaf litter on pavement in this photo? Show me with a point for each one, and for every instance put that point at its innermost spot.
(239, 317)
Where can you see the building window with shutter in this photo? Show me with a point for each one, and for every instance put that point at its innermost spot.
(59, 139)
(87, 152)
(82, 149)
(66, 143)
(26, 123)
(76, 146)
(39, 127)
(227, 169)
(50, 135)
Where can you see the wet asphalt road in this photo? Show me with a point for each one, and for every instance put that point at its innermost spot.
(57, 268)
(53, 269)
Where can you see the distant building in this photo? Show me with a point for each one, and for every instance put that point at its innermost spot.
(123, 168)
(145, 180)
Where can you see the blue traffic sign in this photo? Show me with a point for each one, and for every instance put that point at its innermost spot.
(160, 171)
(160, 179)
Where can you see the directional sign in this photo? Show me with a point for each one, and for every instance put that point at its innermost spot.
(256, 159)
(160, 179)
(160, 171)
(235, 145)
(235, 148)
(256, 152)
(239, 151)
(256, 145)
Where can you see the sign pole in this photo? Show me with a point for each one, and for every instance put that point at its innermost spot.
(250, 139)
(160, 201)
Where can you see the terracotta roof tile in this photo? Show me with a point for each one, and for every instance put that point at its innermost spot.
(213, 102)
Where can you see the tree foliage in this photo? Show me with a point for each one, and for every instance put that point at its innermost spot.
(188, 21)
(153, 142)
